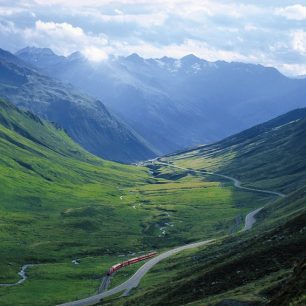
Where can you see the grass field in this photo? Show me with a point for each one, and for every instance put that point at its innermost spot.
(59, 203)
(265, 265)
(155, 216)
(251, 267)
(270, 155)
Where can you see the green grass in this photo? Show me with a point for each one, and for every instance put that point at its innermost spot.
(257, 266)
(249, 267)
(58, 203)
(254, 266)
(56, 282)
(270, 156)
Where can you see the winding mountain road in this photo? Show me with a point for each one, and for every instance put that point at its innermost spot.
(236, 182)
(250, 217)
(134, 280)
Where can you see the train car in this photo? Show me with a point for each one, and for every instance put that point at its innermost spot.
(131, 261)
(114, 269)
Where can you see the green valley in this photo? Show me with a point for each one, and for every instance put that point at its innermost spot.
(152, 153)
(265, 266)
(271, 154)
(59, 203)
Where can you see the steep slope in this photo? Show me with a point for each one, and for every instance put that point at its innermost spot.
(176, 104)
(57, 200)
(59, 203)
(271, 154)
(251, 270)
(265, 266)
(54, 191)
(85, 119)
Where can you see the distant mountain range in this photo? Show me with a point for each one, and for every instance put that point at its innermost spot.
(177, 103)
(84, 118)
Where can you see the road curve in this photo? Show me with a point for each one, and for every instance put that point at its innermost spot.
(236, 182)
(250, 217)
(22, 274)
(133, 281)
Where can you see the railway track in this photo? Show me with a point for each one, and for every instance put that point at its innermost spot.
(134, 281)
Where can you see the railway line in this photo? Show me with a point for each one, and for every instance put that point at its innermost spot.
(134, 280)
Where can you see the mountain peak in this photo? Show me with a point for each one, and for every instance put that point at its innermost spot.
(134, 57)
(9, 57)
(35, 51)
(76, 56)
(167, 59)
(190, 58)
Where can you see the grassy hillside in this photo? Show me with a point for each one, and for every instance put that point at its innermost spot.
(59, 202)
(270, 155)
(265, 265)
(47, 179)
(255, 267)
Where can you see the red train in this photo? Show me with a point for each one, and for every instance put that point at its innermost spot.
(129, 262)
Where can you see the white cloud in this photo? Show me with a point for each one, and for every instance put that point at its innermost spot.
(60, 30)
(250, 27)
(65, 38)
(198, 9)
(9, 11)
(293, 12)
(62, 38)
(93, 3)
(248, 30)
(94, 54)
(118, 12)
(7, 28)
(143, 20)
(293, 69)
(299, 41)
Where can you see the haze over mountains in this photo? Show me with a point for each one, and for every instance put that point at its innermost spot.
(152, 153)
(84, 118)
(271, 154)
(173, 103)
(59, 202)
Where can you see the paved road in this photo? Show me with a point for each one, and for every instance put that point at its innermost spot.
(22, 274)
(134, 281)
(236, 182)
(104, 284)
(250, 217)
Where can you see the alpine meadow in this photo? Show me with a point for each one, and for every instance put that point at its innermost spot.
(152, 154)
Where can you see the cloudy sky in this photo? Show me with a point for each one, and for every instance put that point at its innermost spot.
(271, 33)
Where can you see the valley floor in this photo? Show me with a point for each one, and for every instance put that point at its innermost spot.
(61, 205)
(176, 207)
